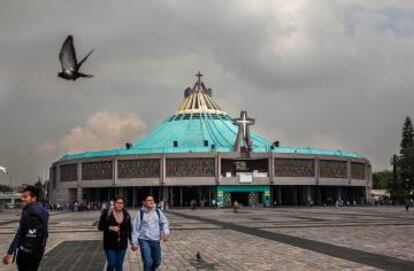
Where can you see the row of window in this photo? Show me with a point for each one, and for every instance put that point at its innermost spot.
(201, 167)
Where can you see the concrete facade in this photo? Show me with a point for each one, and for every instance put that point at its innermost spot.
(72, 190)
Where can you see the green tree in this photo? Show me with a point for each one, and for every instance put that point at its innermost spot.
(395, 186)
(407, 137)
(406, 160)
(382, 179)
(403, 165)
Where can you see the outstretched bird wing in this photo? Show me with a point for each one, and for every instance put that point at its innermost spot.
(83, 60)
(3, 169)
(67, 55)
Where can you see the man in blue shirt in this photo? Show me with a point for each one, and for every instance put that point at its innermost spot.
(149, 228)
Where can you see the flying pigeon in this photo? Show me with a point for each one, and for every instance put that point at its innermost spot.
(70, 65)
(4, 169)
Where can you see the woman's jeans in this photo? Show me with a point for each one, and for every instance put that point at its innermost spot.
(115, 259)
(150, 253)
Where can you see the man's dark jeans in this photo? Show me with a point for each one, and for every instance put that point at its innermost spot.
(150, 253)
(27, 261)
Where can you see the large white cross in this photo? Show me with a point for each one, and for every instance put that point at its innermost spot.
(243, 121)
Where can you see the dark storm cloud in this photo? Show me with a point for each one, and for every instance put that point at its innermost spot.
(334, 74)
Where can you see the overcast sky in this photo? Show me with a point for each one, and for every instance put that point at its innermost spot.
(324, 74)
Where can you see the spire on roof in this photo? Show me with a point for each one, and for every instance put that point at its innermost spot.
(199, 85)
(198, 99)
(199, 75)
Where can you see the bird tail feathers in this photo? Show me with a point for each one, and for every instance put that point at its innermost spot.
(84, 75)
(86, 57)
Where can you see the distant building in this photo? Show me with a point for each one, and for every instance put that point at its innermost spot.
(9, 199)
(380, 194)
(200, 153)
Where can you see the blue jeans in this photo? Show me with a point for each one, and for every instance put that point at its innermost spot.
(115, 259)
(150, 253)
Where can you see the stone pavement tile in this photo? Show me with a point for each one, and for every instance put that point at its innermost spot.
(350, 215)
(63, 227)
(224, 249)
(229, 250)
(390, 240)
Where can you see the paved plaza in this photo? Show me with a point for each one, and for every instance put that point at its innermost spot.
(365, 238)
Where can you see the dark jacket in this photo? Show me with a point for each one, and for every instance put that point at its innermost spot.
(33, 230)
(110, 238)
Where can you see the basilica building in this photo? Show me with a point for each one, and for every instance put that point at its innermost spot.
(202, 153)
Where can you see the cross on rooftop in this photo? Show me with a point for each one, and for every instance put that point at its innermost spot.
(243, 135)
(199, 75)
(243, 122)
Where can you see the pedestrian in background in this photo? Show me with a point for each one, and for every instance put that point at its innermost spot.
(236, 206)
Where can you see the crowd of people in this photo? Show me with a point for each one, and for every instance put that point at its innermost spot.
(74, 206)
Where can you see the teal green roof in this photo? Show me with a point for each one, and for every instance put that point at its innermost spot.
(191, 132)
(199, 126)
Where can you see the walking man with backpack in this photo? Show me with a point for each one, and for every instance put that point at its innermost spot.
(150, 227)
(30, 239)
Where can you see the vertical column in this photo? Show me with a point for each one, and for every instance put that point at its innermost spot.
(368, 187)
(162, 169)
(163, 191)
(134, 196)
(171, 202)
(271, 168)
(317, 176)
(57, 184)
(79, 180)
(98, 194)
(181, 197)
(339, 193)
(165, 195)
(79, 194)
(57, 176)
(348, 171)
(49, 186)
(199, 195)
(295, 195)
(209, 196)
(266, 197)
(308, 194)
(218, 169)
(279, 195)
(368, 175)
(220, 197)
(115, 170)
